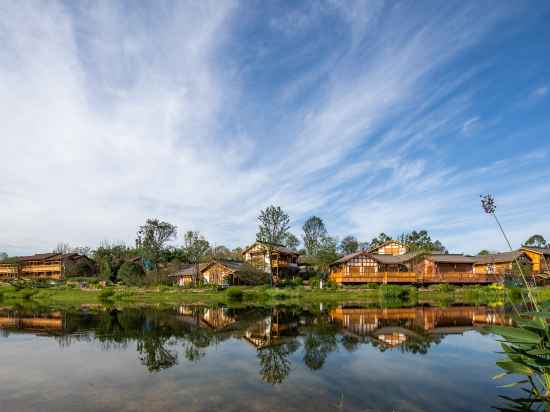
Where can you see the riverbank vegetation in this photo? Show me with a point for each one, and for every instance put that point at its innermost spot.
(387, 295)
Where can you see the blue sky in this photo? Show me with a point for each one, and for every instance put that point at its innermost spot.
(376, 116)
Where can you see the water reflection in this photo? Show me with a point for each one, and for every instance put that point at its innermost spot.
(275, 332)
(321, 356)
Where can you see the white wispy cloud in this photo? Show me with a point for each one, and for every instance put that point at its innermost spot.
(112, 115)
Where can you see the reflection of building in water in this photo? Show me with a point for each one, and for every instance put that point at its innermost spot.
(212, 318)
(393, 327)
(274, 329)
(40, 323)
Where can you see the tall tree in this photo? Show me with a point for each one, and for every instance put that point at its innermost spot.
(196, 248)
(314, 230)
(62, 248)
(152, 238)
(421, 240)
(3, 256)
(327, 253)
(272, 230)
(349, 245)
(377, 241)
(537, 241)
(483, 252)
(291, 241)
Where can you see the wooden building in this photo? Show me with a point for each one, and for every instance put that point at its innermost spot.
(231, 272)
(283, 260)
(500, 263)
(392, 262)
(185, 274)
(43, 266)
(540, 257)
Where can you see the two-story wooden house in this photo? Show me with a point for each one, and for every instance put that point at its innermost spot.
(43, 266)
(278, 259)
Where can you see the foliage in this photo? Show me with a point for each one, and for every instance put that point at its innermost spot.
(421, 240)
(235, 294)
(152, 238)
(83, 267)
(483, 252)
(106, 293)
(537, 241)
(273, 225)
(527, 349)
(396, 291)
(327, 253)
(377, 241)
(349, 245)
(196, 247)
(3, 256)
(291, 241)
(131, 274)
(314, 231)
(109, 258)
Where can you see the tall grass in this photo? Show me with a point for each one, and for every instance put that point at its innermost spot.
(527, 345)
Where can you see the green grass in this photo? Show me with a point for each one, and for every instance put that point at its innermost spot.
(389, 295)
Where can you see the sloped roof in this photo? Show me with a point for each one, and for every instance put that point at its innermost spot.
(188, 269)
(536, 249)
(451, 258)
(279, 248)
(39, 256)
(387, 242)
(498, 257)
(384, 259)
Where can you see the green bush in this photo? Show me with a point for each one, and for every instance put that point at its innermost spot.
(443, 288)
(131, 274)
(396, 291)
(373, 285)
(235, 294)
(106, 293)
(26, 293)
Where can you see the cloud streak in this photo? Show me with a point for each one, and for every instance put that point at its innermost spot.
(203, 113)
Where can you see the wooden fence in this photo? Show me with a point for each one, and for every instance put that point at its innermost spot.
(415, 278)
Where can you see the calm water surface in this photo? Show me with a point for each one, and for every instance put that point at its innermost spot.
(189, 358)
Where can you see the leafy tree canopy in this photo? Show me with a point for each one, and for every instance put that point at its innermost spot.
(314, 231)
(291, 241)
(349, 244)
(537, 241)
(273, 225)
(421, 240)
(377, 241)
(196, 248)
(132, 274)
(152, 238)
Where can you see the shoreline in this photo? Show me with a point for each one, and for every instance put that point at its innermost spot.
(389, 296)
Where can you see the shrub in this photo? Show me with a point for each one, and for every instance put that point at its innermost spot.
(396, 291)
(373, 285)
(443, 288)
(26, 293)
(235, 294)
(131, 274)
(106, 293)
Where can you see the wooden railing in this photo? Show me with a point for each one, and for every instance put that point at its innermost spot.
(412, 277)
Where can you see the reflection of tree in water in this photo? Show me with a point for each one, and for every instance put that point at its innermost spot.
(320, 340)
(527, 404)
(154, 354)
(275, 362)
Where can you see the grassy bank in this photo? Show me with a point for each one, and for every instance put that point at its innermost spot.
(389, 295)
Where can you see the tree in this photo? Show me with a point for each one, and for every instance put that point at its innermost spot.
(421, 241)
(272, 230)
(483, 252)
(131, 274)
(3, 256)
(109, 258)
(196, 247)
(377, 241)
(152, 238)
(63, 248)
(291, 241)
(327, 253)
(314, 230)
(349, 245)
(537, 241)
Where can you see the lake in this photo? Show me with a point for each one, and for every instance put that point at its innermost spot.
(195, 358)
